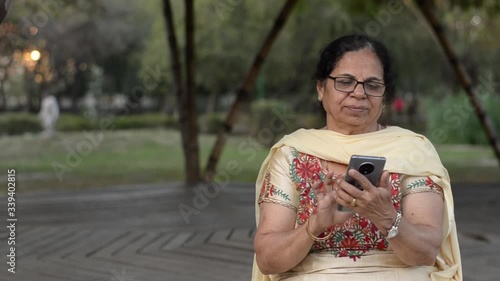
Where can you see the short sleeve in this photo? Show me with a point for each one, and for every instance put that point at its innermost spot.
(412, 184)
(278, 186)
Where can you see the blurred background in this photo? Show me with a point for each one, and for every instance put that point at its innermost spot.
(124, 113)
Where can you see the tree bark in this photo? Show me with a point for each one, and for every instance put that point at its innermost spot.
(212, 102)
(246, 87)
(462, 76)
(190, 106)
(3, 99)
(3, 9)
(185, 101)
(29, 85)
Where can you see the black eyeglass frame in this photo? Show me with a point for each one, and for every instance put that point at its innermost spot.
(357, 82)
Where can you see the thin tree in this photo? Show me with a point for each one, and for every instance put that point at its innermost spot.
(193, 172)
(462, 75)
(4, 8)
(244, 91)
(184, 93)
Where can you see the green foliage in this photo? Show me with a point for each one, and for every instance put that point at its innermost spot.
(211, 123)
(142, 121)
(127, 39)
(80, 123)
(453, 120)
(107, 34)
(154, 155)
(72, 122)
(19, 123)
(266, 125)
(157, 54)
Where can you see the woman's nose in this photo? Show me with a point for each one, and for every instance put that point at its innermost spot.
(359, 91)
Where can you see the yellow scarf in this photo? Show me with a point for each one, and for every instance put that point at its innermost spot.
(406, 153)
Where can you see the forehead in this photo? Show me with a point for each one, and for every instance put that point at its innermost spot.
(361, 63)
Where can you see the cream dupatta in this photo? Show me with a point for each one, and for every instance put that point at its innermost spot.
(406, 152)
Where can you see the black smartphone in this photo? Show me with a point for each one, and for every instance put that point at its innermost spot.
(369, 166)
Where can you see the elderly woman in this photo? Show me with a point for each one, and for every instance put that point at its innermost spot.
(403, 228)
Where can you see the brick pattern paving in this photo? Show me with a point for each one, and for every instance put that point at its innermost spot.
(138, 233)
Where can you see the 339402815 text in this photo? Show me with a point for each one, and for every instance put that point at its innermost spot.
(11, 220)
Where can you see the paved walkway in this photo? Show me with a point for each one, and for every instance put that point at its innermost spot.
(137, 233)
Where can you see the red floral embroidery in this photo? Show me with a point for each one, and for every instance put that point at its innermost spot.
(349, 242)
(343, 253)
(263, 187)
(352, 238)
(429, 182)
(354, 257)
(382, 245)
(303, 216)
(363, 223)
(306, 169)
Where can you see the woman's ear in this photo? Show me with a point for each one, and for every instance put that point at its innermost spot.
(320, 88)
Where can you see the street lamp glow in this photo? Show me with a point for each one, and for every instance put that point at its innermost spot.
(35, 55)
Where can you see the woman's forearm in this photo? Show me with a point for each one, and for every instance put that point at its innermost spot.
(416, 244)
(278, 252)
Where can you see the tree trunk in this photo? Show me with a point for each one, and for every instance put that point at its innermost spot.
(30, 90)
(193, 168)
(3, 9)
(2, 86)
(212, 102)
(185, 102)
(3, 100)
(462, 76)
(78, 89)
(246, 87)
(74, 99)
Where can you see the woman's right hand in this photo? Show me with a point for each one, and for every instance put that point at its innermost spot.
(326, 214)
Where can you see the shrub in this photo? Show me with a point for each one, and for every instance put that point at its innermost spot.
(170, 122)
(19, 123)
(72, 122)
(453, 119)
(151, 120)
(211, 123)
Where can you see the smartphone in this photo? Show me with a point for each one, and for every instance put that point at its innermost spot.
(369, 166)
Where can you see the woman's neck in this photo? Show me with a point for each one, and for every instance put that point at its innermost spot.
(351, 130)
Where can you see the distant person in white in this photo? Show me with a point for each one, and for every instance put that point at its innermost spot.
(49, 113)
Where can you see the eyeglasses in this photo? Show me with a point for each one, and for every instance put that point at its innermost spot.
(347, 85)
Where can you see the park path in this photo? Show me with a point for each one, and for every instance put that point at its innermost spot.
(137, 233)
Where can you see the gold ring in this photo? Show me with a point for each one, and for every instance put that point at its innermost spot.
(353, 202)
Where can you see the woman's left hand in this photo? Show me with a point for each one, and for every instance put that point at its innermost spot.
(373, 203)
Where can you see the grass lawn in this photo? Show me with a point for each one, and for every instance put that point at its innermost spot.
(75, 160)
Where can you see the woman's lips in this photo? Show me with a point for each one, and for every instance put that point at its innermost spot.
(356, 108)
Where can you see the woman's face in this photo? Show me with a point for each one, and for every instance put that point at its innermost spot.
(352, 113)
